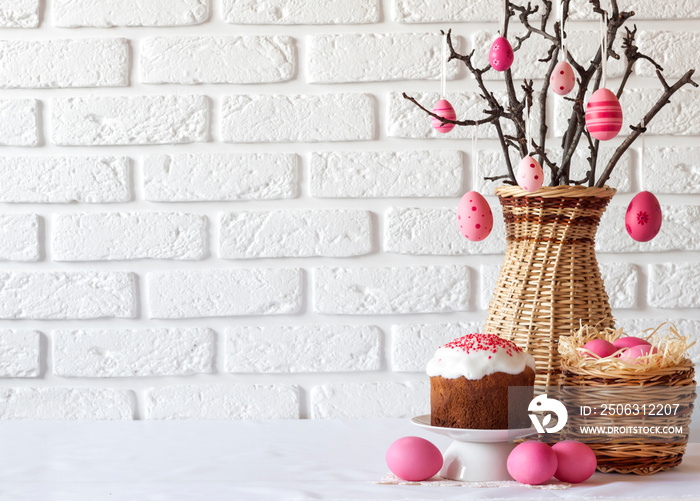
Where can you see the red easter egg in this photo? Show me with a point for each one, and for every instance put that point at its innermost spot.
(563, 79)
(444, 109)
(603, 115)
(474, 217)
(643, 218)
(501, 54)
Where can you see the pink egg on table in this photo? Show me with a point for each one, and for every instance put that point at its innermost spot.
(643, 218)
(413, 459)
(532, 463)
(474, 217)
(576, 462)
(600, 347)
(529, 174)
(603, 115)
(563, 79)
(444, 109)
(629, 342)
(633, 354)
(501, 54)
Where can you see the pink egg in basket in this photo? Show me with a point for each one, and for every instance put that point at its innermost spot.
(530, 176)
(474, 217)
(599, 347)
(501, 54)
(635, 353)
(444, 109)
(414, 459)
(563, 79)
(629, 342)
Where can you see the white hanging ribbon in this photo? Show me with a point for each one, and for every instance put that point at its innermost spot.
(527, 127)
(443, 73)
(561, 31)
(504, 15)
(641, 155)
(475, 141)
(604, 49)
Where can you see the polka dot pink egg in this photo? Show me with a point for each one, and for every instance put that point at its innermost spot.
(474, 217)
(563, 80)
(530, 176)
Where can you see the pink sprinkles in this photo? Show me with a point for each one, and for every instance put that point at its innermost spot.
(483, 342)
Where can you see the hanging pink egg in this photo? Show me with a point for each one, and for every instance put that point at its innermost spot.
(530, 176)
(501, 54)
(444, 109)
(603, 115)
(643, 218)
(474, 217)
(563, 79)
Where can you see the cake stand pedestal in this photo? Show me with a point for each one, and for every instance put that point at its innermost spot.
(475, 455)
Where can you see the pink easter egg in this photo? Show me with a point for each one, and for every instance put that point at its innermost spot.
(529, 174)
(632, 355)
(474, 217)
(562, 80)
(600, 347)
(444, 109)
(532, 463)
(576, 462)
(629, 342)
(501, 54)
(603, 115)
(643, 218)
(414, 459)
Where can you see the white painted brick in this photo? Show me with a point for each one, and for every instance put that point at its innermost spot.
(490, 163)
(489, 278)
(691, 328)
(678, 118)
(582, 45)
(19, 237)
(679, 231)
(128, 235)
(217, 59)
(297, 118)
(369, 291)
(220, 176)
(84, 62)
(105, 404)
(132, 352)
(67, 295)
(223, 292)
(643, 9)
(676, 51)
(240, 401)
(298, 233)
(371, 57)
(406, 120)
(621, 281)
(19, 353)
(301, 11)
(370, 174)
(308, 348)
(436, 232)
(671, 170)
(674, 285)
(440, 11)
(370, 400)
(129, 120)
(19, 13)
(64, 179)
(413, 345)
(19, 125)
(107, 13)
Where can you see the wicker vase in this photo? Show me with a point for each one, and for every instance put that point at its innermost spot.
(550, 281)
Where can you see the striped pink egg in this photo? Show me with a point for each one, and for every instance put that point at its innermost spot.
(444, 109)
(603, 115)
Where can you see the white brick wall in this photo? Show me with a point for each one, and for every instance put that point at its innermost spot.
(225, 209)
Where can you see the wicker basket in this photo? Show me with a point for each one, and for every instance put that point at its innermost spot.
(550, 277)
(641, 456)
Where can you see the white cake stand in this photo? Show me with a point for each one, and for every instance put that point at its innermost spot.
(475, 455)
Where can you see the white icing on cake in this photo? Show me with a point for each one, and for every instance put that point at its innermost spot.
(477, 355)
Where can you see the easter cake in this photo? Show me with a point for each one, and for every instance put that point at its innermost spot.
(469, 380)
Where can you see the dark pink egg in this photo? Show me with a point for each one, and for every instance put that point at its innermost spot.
(600, 347)
(629, 342)
(414, 459)
(444, 109)
(643, 218)
(603, 115)
(501, 54)
(576, 462)
(532, 463)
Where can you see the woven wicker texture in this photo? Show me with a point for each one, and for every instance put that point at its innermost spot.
(550, 280)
